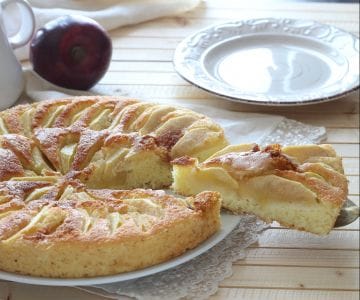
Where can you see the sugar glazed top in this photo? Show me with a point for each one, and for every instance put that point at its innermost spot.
(65, 167)
(33, 136)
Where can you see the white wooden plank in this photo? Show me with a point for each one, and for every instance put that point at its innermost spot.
(281, 294)
(143, 78)
(182, 27)
(343, 135)
(347, 150)
(289, 238)
(141, 55)
(207, 12)
(351, 166)
(353, 184)
(331, 8)
(293, 277)
(133, 42)
(141, 66)
(301, 257)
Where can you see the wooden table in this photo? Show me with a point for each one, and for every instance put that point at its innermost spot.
(284, 264)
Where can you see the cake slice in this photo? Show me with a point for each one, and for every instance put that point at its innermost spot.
(298, 186)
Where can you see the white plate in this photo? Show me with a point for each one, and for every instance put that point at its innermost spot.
(271, 61)
(228, 223)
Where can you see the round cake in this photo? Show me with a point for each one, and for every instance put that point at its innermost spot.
(75, 180)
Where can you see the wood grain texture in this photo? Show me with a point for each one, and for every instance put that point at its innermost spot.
(289, 238)
(301, 257)
(282, 294)
(344, 279)
(182, 26)
(284, 264)
(16, 291)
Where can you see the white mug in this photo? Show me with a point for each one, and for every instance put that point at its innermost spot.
(11, 76)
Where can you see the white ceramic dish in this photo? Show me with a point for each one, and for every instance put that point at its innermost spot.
(271, 61)
(229, 222)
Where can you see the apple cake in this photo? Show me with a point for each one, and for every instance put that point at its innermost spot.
(59, 228)
(298, 186)
(74, 179)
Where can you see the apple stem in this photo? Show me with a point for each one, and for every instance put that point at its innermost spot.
(78, 53)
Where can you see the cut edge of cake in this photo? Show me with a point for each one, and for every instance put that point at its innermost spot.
(302, 187)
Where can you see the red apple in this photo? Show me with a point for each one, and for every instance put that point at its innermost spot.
(71, 51)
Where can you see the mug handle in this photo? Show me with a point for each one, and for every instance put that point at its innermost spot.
(26, 31)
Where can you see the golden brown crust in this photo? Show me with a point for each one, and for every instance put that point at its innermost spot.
(92, 112)
(121, 104)
(46, 108)
(19, 145)
(299, 186)
(103, 219)
(254, 162)
(10, 165)
(90, 142)
(65, 117)
(325, 192)
(184, 161)
(51, 140)
(11, 118)
(79, 231)
(129, 114)
(61, 122)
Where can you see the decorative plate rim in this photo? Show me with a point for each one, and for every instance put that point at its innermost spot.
(192, 71)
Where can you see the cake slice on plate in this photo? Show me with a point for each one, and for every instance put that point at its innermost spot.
(298, 186)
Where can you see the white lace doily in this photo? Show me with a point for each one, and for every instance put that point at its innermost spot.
(291, 132)
(199, 278)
